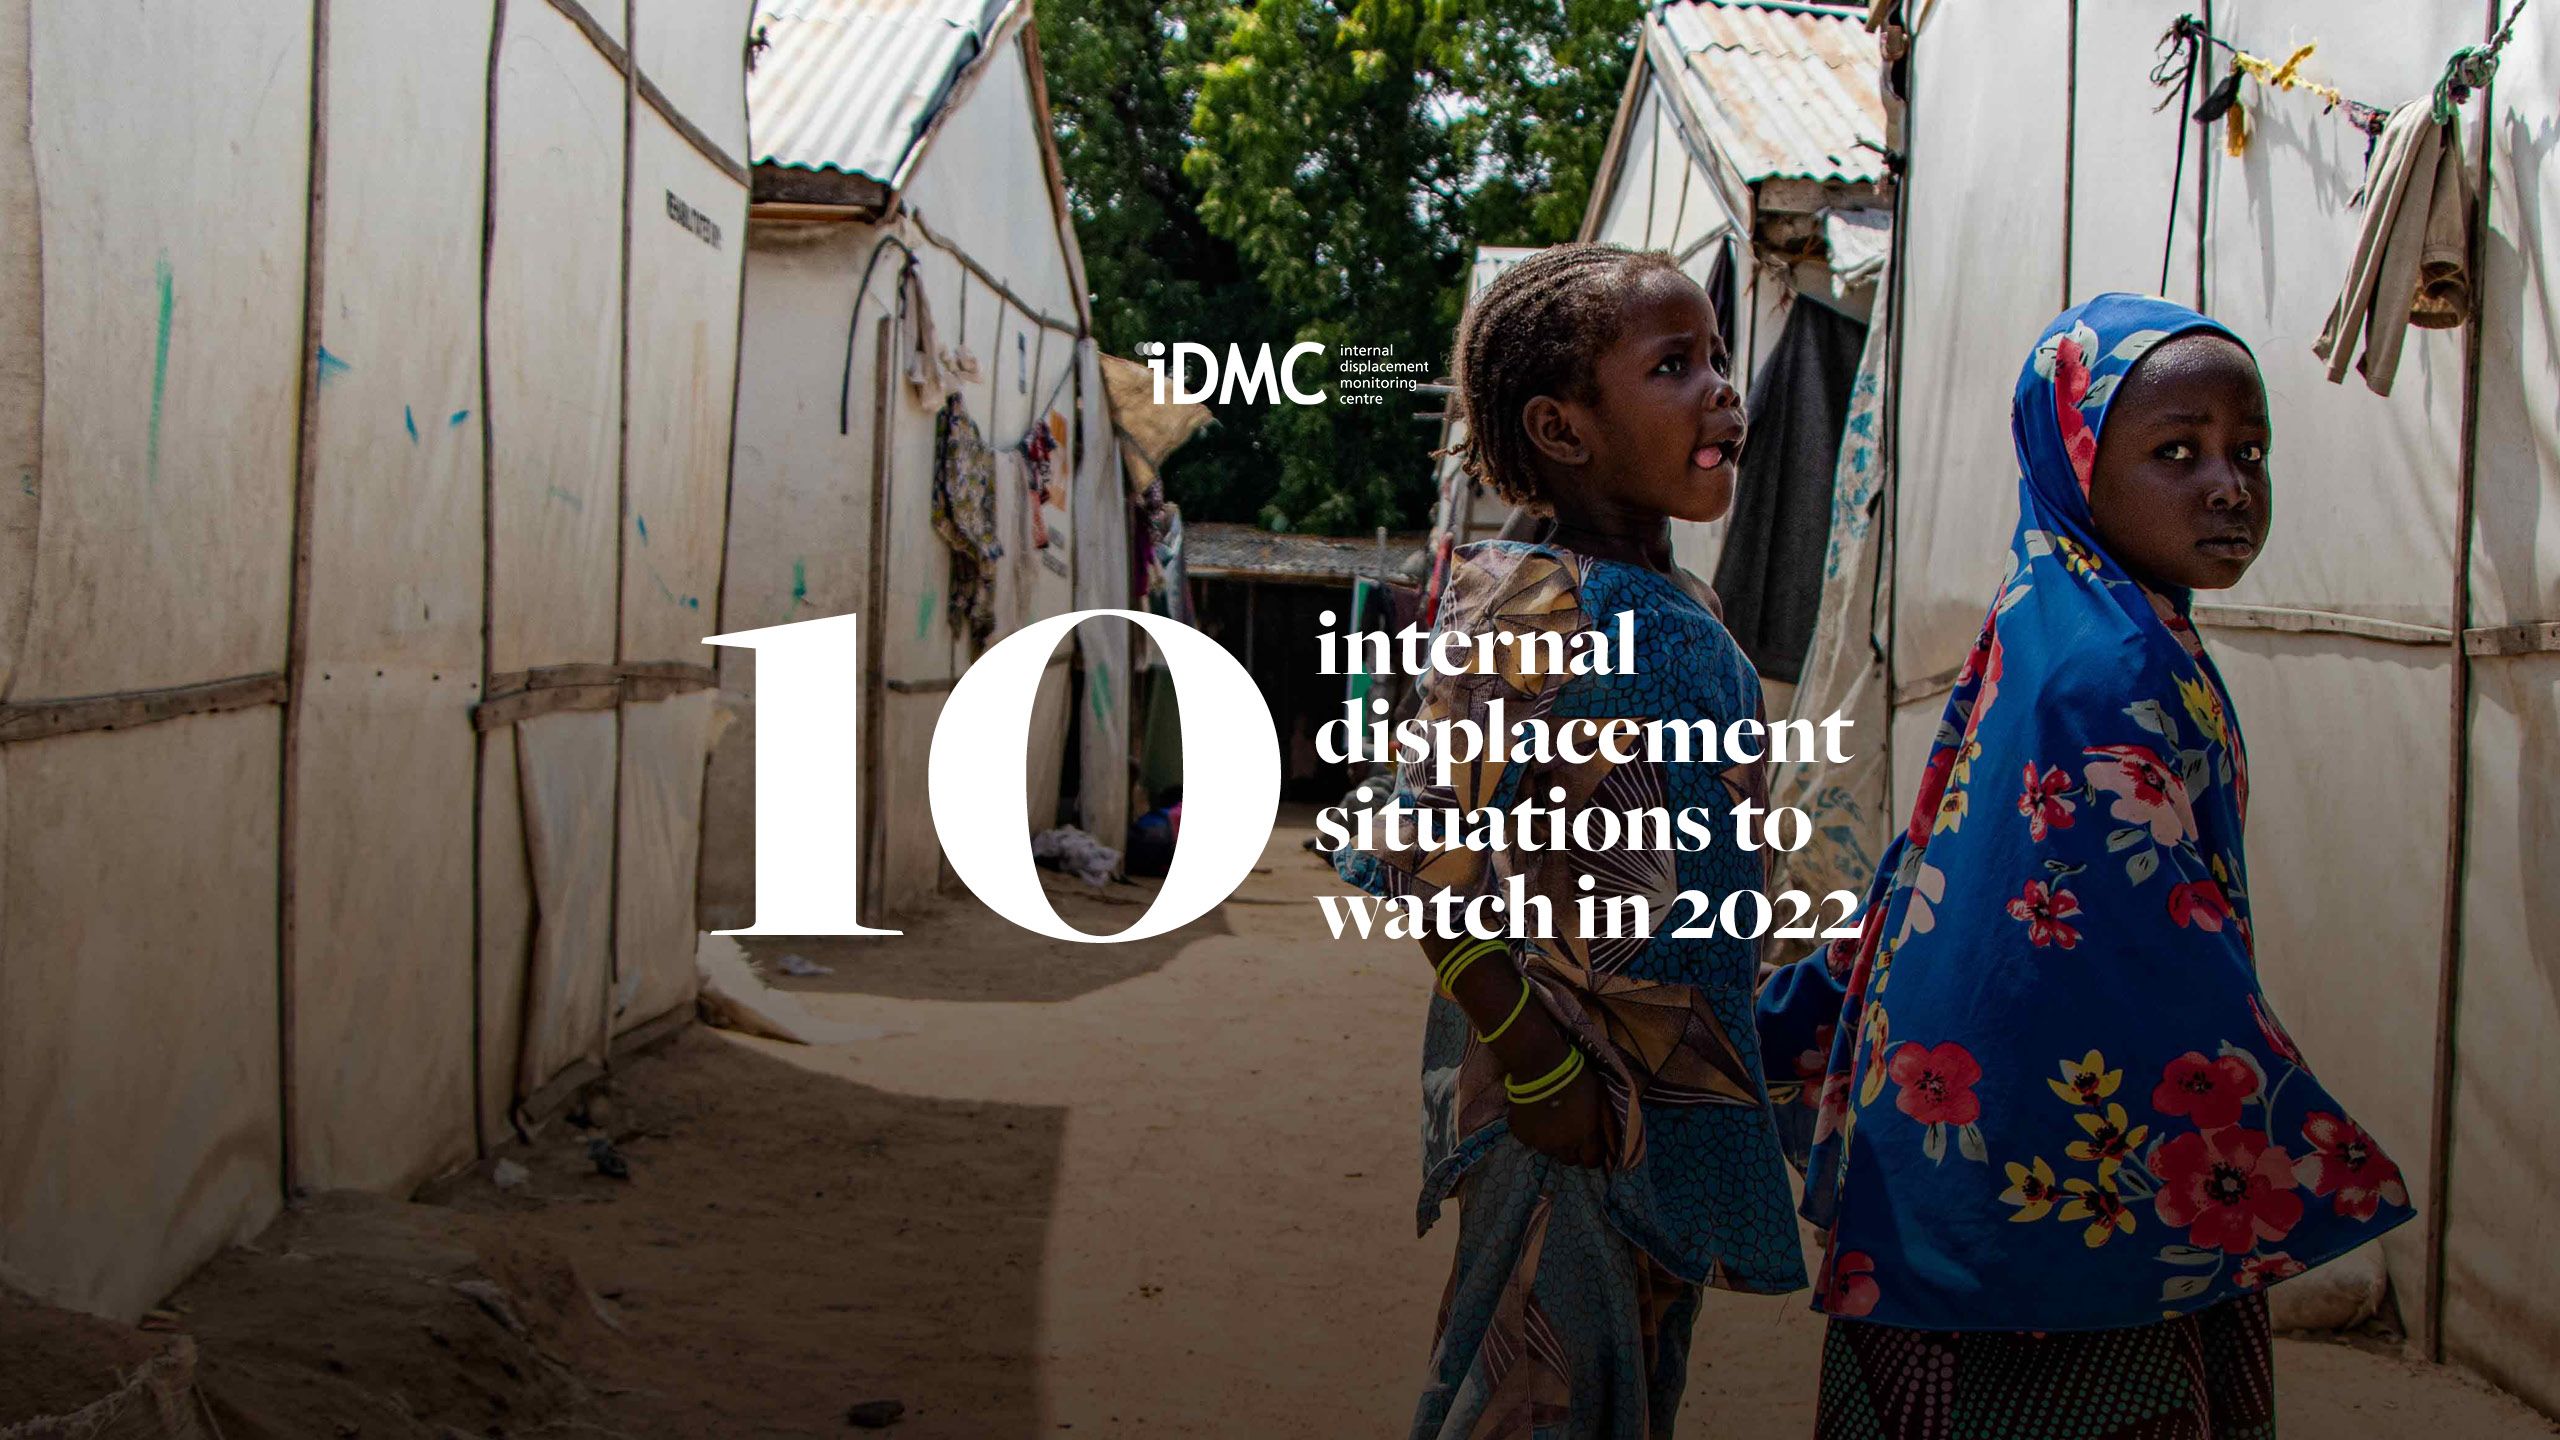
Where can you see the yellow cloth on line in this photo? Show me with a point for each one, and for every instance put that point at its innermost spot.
(2412, 258)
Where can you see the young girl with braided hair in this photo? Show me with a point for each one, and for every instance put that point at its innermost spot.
(1595, 1104)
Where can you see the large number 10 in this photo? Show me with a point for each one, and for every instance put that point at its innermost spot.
(809, 776)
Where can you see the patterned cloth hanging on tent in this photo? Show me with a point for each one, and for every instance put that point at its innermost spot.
(964, 515)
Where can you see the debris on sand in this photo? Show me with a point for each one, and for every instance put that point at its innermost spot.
(875, 1414)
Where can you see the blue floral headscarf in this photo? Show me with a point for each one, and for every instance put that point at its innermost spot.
(2043, 1090)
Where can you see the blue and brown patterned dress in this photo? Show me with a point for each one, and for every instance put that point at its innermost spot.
(1569, 1309)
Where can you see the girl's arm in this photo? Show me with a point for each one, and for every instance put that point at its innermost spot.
(1527, 1044)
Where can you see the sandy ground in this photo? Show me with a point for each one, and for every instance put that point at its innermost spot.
(1161, 1189)
(1154, 1190)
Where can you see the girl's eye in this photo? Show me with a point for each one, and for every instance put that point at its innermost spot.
(2178, 450)
(2253, 454)
(1672, 365)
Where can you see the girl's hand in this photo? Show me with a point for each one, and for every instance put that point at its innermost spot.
(1567, 1127)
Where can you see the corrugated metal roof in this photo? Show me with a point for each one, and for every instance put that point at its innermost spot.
(850, 85)
(1786, 90)
(1492, 260)
(1213, 551)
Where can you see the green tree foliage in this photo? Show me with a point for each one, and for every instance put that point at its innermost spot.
(1299, 170)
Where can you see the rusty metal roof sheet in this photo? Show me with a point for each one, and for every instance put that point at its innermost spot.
(1786, 90)
(1213, 551)
(852, 85)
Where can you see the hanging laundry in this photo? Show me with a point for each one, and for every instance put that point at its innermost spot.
(1039, 452)
(964, 515)
(933, 384)
(2412, 258)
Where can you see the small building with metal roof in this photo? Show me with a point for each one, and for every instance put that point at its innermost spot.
(916, 312)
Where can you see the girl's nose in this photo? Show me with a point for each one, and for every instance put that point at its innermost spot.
(2228, 489)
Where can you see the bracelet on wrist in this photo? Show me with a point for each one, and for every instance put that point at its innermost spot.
(1547, 1086)
(1455, 963)
(1516, 1007)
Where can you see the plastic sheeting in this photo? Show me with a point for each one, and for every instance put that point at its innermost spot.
(1983, 247)
(683, 338)
(565, 778)
(663, 747)
(554, 337)
(383, 847)
(173, 269)
(2500, 1314)
(2125, 155)
(116, 1178)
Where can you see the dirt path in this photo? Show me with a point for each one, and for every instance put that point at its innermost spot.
(1163, 1189)
(1156, 1190)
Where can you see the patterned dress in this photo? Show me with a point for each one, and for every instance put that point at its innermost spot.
(1569, 1310)
(2043, 1090)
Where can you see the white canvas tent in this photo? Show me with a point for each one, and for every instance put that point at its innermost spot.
(1744, 126)
(905, 177)
(2394, 654)
(344, 350)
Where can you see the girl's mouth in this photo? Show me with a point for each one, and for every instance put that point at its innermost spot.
(1715, 456)
(2231, 547)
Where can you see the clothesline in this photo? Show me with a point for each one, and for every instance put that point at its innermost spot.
(2181, 54)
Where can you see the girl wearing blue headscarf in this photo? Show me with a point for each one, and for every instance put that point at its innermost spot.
(2062, 1146)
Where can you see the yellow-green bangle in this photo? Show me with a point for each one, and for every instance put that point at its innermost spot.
(1455, 963)
(1516, 1007)
(1547, 1085)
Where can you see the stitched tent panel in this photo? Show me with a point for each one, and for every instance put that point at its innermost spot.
(554, 338)
(1989, 81)
(141, 939)
(1101, 501)
(693, 49)
(2125, 155)
(2364, 484)
(663, 746)
(2501, 1316)
(172, 266)
(683, 344)
(2347, 957)
(505, 925)
(2502, 1307)
(2516, 562)
(566, 776)
(21, 347)
(383, 920)
(799, 542)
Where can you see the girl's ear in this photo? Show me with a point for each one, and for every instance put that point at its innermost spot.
(1552, 432)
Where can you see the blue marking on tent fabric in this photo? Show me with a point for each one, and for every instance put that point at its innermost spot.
(409, 419)
(330, 366)
(643, 522)
(457, 417)
(160, 357)
(565, 498)
(799, 583)
(924, 613)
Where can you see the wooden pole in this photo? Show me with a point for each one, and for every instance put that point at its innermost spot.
(2458, 803)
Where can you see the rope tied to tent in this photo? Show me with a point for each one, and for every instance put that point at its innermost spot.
(2472, 68)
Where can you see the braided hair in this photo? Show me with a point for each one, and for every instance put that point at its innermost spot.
(1538, 329)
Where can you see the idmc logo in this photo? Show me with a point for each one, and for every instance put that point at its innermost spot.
(1233, 380)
